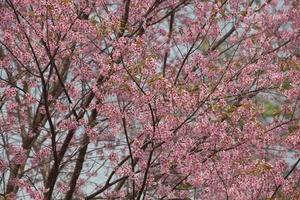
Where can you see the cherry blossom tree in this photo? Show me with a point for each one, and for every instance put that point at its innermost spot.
(149, 99)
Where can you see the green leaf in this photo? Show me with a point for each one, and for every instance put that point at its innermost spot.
(271, 109)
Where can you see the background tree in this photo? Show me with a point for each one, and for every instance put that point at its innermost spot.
(152, 99)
